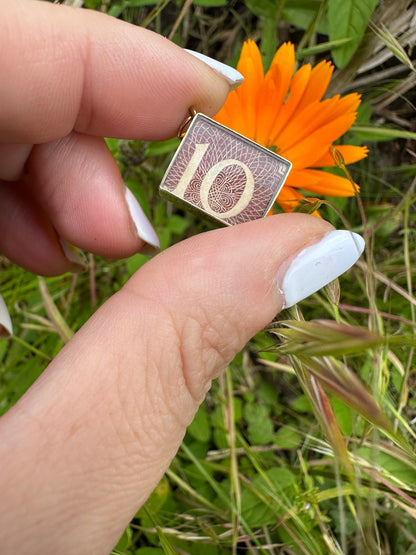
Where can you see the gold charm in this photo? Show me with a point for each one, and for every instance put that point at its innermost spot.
(222, 174)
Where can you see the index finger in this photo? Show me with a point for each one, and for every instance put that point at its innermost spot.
(74, 69)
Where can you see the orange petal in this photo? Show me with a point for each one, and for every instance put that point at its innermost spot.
(303, 123)
(288, 198)
(315, 118)
(301, 179)
(317, 84)
(250, 59)
(240, 109)
(297, 88)
(281, 73)
(274, 92)
(350, 154)
(308, 87)
(251, 67)
(266, 111)
(314, 146)
(232, 114)
(322, 183)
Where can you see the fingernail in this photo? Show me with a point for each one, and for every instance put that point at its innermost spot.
(75, 256)
(143, 227)
(6, 327)
(319, 264)
(231, 75)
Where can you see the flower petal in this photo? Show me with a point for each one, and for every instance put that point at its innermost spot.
(314, 146)
(322, 183)
(287, 111)
(239, 111)
(288, 198)
(316, 117)
(317, 84)
(297, 88)
(251, 67)
(350, 154)
(274, 91)
(250, 64)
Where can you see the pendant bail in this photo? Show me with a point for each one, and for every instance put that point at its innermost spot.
(183, 128)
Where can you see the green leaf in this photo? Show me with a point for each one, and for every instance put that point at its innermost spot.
(268, 394)
(238, 409)
(204, 549)
(260, 427)
(343, 415)
(302, 404)
(287, 438)
(198, 448)
(112, 145)
(135, 262)
(391, 467)
(178, 224)
(348, 19)
(219, 429)
(369, 133)
(116, 9)
(92, 4)
(262, 8)
(321, 47)
(200, 428)
(210, 3)
(149, 551)
(3, 346)
(302, 14)
(267, 497)
(163, 147)
(125, 541)
(158, 497)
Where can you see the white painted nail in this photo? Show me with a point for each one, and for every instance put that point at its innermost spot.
(75, 256)
(6, 327)
(143, 227)
(319, 264)
(231, 75)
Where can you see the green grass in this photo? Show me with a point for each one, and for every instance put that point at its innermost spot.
(306, 444)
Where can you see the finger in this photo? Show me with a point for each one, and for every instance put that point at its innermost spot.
(77, 182)
(27, 237)
(95, 74)
(103, 422)
(12, 159)
(74, 194)
(100, 76)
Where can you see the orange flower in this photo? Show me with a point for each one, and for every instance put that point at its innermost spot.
(285, 111)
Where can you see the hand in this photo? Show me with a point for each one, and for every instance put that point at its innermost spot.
(86, 445)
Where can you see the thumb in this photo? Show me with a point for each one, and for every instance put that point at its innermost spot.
(105, 419)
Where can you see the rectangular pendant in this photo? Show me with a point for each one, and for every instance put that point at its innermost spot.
(223, 175)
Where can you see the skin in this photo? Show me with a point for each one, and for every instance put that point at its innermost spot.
(86, 445)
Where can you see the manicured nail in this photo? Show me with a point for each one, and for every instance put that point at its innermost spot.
(143, 227)
(75, 256)
(6, 328)
(231, 75)
(319, 264)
